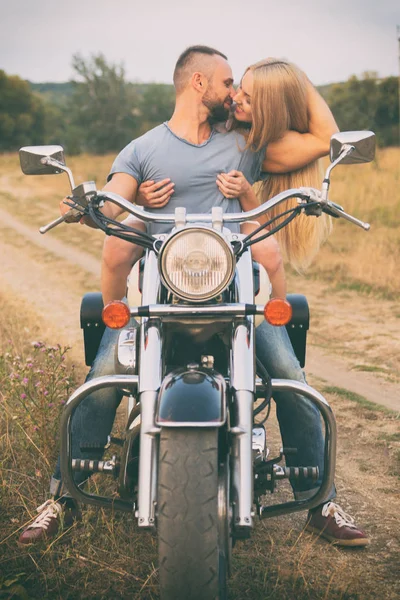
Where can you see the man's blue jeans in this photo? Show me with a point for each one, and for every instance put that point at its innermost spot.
(299, 420)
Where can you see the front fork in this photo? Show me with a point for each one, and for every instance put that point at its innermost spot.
(150, 376)
(243, 377)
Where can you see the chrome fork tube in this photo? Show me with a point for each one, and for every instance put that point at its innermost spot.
(150, 370)
(243, 385)
(147, 461)
(242, 471)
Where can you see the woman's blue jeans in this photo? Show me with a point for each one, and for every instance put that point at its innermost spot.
(299, 420)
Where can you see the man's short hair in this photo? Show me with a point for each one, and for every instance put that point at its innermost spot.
(186, 63)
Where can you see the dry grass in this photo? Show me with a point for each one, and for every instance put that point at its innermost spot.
(359, 260)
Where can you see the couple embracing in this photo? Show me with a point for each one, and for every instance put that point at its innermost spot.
(234, 149)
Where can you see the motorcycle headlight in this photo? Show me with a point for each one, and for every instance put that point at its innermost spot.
(196, 264)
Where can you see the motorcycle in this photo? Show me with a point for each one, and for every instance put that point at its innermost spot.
(193, 465)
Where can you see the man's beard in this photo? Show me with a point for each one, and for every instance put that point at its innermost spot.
(218, 112)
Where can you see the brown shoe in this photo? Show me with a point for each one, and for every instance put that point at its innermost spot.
(332, 523)
(51, 515)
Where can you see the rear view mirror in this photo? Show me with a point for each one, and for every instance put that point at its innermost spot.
(32, 163)
(362, 141)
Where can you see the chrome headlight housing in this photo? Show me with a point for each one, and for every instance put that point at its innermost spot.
(196, 264)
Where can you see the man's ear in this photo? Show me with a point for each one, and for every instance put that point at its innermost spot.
(199, 82)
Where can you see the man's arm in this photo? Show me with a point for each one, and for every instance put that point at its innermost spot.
(295, 150)
(126, 186)
(121, 183)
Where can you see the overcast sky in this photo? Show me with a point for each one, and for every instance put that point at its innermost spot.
(329, 39)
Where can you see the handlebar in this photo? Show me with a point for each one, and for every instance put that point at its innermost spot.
(201, 217)
(307, 195)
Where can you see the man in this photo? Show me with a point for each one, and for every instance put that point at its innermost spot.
(190, 151)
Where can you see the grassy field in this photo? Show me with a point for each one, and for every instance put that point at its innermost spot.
(105, 557)
(359, 260)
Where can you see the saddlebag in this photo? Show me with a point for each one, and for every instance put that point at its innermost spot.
(298, 325)
(92, 324)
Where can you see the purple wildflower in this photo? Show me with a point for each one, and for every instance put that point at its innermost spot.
(23, 396)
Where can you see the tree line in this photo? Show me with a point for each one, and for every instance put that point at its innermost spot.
(100, 112)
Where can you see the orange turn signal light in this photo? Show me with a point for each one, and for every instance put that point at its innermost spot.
(116, 314)
(278, 311)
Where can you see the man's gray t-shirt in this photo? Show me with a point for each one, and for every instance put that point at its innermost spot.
(160, 154)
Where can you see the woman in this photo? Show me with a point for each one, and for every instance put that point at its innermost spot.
(271, 100)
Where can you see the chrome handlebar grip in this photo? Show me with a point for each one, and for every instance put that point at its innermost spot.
(338, 211)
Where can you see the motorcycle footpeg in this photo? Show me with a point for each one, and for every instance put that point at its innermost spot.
(296, 472)
(267, 476)
(95, 466)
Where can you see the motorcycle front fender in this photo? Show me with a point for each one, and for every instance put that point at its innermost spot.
(192, 397)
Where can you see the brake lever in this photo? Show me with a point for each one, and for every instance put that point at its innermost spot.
(73, 212)
(330, 208)
(79, 203)
(327, 209)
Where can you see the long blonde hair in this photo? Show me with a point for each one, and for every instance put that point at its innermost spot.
(279, 103)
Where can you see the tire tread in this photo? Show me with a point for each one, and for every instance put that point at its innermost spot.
(188, 514)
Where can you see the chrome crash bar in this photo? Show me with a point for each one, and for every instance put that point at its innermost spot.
(284, 385)
(131, 381)
(66, 458)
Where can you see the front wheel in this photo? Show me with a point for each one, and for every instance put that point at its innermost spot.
(191, 553)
